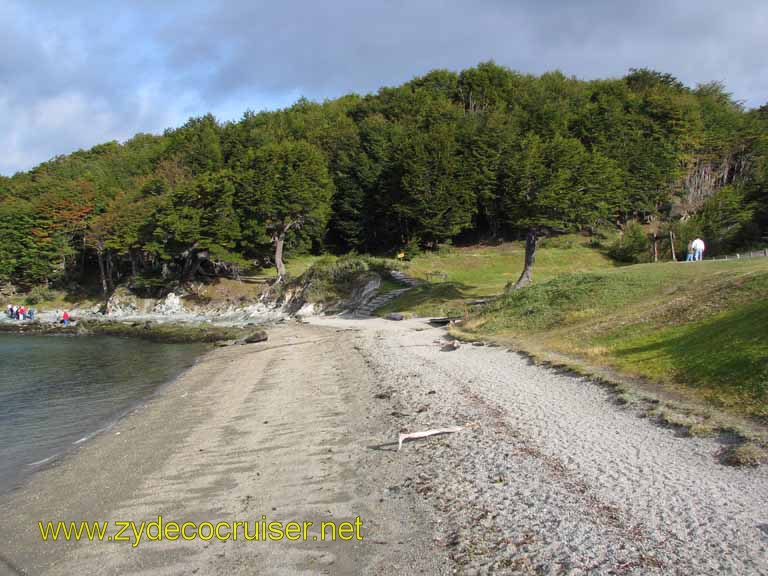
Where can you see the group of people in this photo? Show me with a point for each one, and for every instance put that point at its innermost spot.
(695, 250)
(20, 312)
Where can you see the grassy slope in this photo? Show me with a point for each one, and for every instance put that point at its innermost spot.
(484, 271)
(702, 325)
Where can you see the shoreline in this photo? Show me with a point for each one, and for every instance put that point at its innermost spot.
(114, 419)
(178, 455)
(159, 329)
(31, 469)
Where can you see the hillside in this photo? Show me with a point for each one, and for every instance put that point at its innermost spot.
(445, 158)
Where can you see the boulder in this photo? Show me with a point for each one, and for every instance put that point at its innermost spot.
(309, 309)
(122, 303)
(364, 292)
(258, 336)
(395, 316)
(170, 305)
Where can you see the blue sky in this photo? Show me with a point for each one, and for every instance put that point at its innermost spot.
(73, 74)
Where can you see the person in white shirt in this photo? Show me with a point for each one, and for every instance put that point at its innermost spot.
(698, 249)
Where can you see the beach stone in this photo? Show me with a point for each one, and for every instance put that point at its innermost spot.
(121, 303)
(307, 310)
(170, 305)
(258, 336)
(395, 316)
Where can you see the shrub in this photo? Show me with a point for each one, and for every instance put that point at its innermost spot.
(561, 242)
(633, 246)
(39, 294)
(331, 277)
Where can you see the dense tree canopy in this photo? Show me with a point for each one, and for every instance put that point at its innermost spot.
(485, 153)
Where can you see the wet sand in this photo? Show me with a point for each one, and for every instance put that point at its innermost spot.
(282, 429)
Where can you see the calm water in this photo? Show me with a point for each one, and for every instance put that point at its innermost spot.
(56, 391)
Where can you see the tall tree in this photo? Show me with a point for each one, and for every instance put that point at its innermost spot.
(288, 191)
(555, 187)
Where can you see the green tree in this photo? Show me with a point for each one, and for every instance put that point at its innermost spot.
(722, 217)
(432, 205)
(197, 145)
(197, 222)
(556, 186)
(287, 190)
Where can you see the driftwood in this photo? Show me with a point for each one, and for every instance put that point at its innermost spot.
(426, 433)
(444, 320)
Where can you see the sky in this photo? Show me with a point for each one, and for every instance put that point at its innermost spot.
(74, 74)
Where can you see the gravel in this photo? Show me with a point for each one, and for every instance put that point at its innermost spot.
(552, 476)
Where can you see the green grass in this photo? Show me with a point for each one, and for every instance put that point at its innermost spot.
(727, 352)
(482, 271)
(295, 266)
(701, 326)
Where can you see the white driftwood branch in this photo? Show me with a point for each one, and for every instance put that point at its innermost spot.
(425, 433)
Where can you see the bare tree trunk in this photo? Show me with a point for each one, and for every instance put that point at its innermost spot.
(102, 272)
(672, 245)
(530, 257)
(655, 247)
(134, 268)
(110, 271)
(279, 240)
(197, 262)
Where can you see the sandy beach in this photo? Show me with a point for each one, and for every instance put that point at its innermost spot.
(280, 429)
(547, 476)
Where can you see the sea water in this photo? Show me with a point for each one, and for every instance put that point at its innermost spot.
(56, 392)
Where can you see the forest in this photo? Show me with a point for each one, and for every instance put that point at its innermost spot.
(477, 156)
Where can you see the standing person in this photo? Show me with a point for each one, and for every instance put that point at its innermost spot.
(689, 257)
(698, 249)
(22, 310)
(9, 311)
(65, 318)
(15, 312)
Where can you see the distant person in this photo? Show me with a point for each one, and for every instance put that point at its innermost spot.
(15, 312)
(9, 310)
(65, 318)
(698, 249)
(31, 313)
(22, 312)
(689, 257)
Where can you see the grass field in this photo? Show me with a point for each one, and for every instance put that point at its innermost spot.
(482, 271)
(701, 326)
